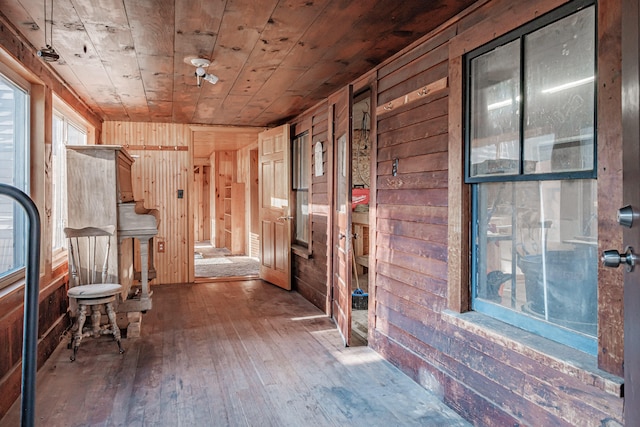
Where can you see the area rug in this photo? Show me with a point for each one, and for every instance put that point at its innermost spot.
(218, 262)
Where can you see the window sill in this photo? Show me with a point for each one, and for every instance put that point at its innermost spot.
(59, 258)
(565, 359)
(16, 286)
(12, 281)
(301, 251)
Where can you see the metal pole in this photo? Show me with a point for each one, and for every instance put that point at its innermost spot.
(30, 337)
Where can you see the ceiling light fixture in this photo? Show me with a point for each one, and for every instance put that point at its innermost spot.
(48, 53)
(201, 73)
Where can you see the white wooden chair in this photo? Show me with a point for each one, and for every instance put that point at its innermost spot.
(87, 283)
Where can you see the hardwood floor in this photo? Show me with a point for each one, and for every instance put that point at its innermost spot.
(230, 354)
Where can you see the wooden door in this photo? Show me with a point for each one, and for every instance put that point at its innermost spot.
(340, 117)
(274, 178)
(631, 196)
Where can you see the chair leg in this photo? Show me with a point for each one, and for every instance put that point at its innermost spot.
(77, 336)
(95, 320)
(114, 325)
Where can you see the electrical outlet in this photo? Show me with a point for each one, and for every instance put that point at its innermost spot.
(160, 246)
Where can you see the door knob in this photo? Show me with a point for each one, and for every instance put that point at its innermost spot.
(612, 258)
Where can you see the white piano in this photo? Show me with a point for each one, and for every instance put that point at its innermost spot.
(100, 192)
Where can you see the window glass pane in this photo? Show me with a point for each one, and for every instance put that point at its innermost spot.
(296, 164)
(14, 143)
(302, 217)
(341, 175)
(537, 252)
(64, 133)
(301, 162)
(559, 105)
(59, 182)
(75, 135)
(304, 162)
(494, 109)
(301, 176)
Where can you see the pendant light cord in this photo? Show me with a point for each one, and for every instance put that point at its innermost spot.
(50, 25)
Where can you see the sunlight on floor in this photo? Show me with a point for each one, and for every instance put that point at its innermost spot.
(214, 261)
(319, 316)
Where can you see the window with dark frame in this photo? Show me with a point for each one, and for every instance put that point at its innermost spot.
(530, 149)
(301, 171)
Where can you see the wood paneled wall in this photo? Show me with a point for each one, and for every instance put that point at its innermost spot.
(162, 168)
(225, 174)
(201, 203)
(247, 159)
(309, 274)
(421, 254)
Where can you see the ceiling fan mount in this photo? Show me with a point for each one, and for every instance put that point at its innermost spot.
(201, 73)
(200, 62)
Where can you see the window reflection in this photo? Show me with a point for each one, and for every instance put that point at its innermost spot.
(537, 250)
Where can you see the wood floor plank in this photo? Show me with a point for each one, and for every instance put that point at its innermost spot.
(241, 353)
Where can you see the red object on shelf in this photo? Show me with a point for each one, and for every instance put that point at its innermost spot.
(359, 196)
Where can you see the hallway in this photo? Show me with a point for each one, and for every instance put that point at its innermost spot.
(230, 354)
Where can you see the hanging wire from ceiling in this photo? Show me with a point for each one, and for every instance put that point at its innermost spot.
(48, 43)
(48, 53)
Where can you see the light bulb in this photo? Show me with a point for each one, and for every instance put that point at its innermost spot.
(200, 71)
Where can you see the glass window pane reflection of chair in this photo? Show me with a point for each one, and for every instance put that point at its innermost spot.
(88, 285)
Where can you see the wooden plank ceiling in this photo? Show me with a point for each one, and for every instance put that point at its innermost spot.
(129, 60)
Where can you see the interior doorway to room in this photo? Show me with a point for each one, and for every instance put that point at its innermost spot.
(360, 184)
(220, 204)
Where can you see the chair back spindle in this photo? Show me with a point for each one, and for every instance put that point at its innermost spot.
(93, 242)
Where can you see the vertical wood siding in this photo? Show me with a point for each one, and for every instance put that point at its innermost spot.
(247, 168)
(157, 175)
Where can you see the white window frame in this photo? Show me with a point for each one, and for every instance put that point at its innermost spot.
(7, 278)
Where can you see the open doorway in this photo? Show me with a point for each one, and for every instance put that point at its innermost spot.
(222, 204)
(360, 184)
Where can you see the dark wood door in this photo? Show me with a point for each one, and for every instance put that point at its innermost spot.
(631, 195)
(340, 110)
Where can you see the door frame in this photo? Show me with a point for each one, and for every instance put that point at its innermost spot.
(366, 82)
(340, 308)
(631, 196)
(370, 82)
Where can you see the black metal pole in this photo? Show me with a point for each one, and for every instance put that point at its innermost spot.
(30, 337)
